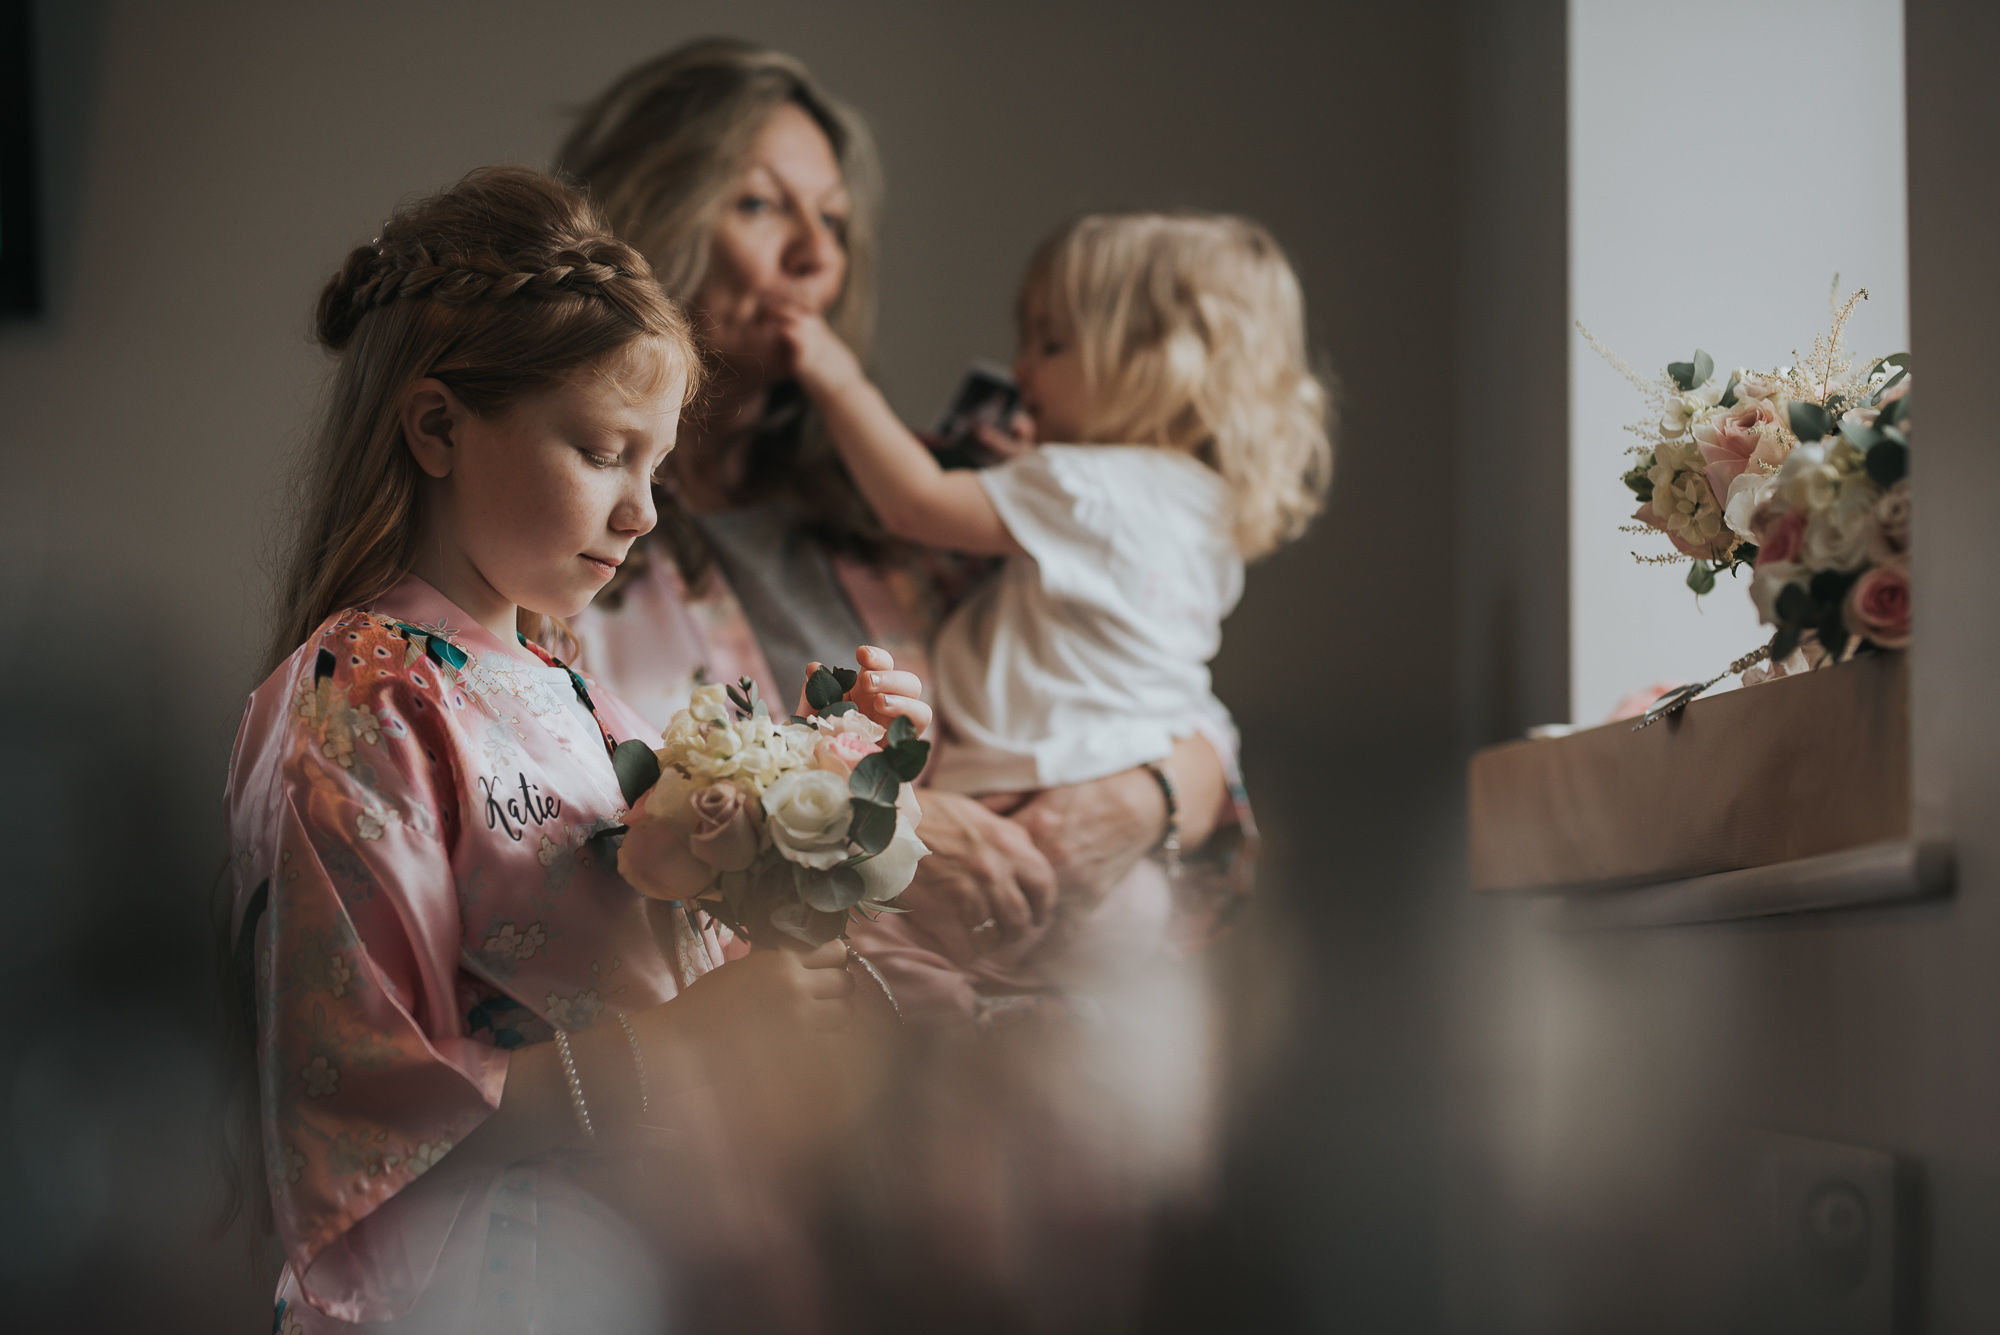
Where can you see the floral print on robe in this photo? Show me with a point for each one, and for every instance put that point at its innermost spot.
(416, 812)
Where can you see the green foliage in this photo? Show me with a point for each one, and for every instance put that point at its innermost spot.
(1701, 578)
(1888, 463)
(743, 695)
(1639, 482)
(1809, 420)
(1729, 390)
(637, 768)
(827, 685)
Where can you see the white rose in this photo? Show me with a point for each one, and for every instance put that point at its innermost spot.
(807, 815)
(889, 872)
(1751, 385)
(1836, 537)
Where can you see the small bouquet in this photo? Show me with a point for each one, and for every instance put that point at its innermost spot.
(780, 831)
(1798, 475)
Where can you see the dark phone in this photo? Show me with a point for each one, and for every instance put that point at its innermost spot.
(987, 396)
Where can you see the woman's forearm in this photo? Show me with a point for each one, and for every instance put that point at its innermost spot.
(536, 1112)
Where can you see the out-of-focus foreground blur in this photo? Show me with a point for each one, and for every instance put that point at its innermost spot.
(1442, 1115)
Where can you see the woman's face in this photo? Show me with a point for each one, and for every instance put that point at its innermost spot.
(536, 506)
(780, 245)
(1049, 369)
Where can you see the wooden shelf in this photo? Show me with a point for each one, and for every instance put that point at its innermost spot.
(1786, 796)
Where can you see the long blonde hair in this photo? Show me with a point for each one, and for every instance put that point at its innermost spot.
(498, 286)
(660, 151)
(1191, 332)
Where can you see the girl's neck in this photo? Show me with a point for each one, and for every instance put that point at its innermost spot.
(447, 569)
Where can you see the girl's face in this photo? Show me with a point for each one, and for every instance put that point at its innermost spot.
(536, 506)
(780, 245)
(1050, 371)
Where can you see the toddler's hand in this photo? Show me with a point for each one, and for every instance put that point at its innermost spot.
(1017, 437)
(823, 364)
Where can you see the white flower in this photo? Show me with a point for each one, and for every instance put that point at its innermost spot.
(1691, 405)
(1752, 385)
(374, 818)
(709, 704)
(889, 872)
(1836, 537)
(807, 815)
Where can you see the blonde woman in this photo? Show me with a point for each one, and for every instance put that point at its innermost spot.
(754, 195)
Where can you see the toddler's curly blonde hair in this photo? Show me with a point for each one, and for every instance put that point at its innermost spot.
(1191, 331)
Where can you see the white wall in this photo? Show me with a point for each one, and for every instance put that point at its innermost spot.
(1713, 195)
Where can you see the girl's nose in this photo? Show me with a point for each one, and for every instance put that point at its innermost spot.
(635, 513)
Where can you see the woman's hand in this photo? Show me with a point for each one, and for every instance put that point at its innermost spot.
(1093, 833)
(984, 885)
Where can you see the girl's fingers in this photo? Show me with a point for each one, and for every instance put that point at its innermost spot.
(891, 683)
(873, 659)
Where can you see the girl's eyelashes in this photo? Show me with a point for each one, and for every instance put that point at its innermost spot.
(752, 205)
(599, 459)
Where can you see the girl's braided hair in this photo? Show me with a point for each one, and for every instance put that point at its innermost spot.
(501, 285)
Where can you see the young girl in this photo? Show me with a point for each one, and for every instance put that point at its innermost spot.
(462, 1014)
(1168, 353)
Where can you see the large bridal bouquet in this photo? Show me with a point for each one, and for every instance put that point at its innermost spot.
(779, 830)
(1799, 475)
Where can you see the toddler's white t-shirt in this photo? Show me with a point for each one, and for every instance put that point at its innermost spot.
(1089, 655)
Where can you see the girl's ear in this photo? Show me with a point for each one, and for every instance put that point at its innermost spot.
(432, 420)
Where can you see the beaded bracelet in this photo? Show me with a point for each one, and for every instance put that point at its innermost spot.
(1170, 842)
(575, 1085)
(638, 1065)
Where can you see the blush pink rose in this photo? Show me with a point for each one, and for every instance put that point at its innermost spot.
(1728, 442)
(655, 860)
(726, 823)
(839, 752)
(1778, 538)
(1878, 606)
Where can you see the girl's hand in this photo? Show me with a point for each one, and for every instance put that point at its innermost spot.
(823, 364)
(882, 693)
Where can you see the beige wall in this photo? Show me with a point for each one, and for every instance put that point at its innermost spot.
(208, 163)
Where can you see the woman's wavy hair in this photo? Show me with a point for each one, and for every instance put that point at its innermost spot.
(504, 284)
(660, 153)
(1191, 332)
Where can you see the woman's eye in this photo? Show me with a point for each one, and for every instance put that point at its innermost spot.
(836, 224)
(1052, 349)
(752, 204)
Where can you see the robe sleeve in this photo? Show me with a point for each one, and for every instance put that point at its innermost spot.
(367, 1072)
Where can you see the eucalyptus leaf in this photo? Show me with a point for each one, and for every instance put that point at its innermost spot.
(1795, 606)
(1862, 437)
(1784, 642)
(833, 891)
(1701, 578)
(1683, 375)
(1809, 420)
(1888, 463)
(1704, 367)
(823, 688)
(901, 730)
(1729, 390)
(1892, 414)
(874, 781)
(837, 708)
(637, 768)
(907, 759)
(872, 826)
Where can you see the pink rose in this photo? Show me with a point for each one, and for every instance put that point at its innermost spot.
(839, 752)
(654, 858)
(1728, 442)
(1778, 538)
(726, 822)
(1878, 606)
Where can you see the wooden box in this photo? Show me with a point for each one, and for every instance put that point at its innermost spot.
(1792, 769)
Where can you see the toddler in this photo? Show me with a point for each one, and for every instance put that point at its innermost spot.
(1163, 358)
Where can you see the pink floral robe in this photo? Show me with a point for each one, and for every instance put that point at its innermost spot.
(415, 812)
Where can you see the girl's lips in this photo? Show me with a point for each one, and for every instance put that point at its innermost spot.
(603, 567)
